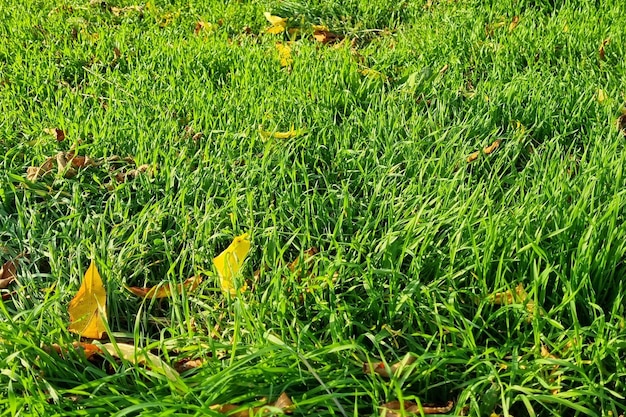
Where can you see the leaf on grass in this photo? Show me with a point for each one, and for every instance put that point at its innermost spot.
(58, 134)
(400, 408)
(621, 123)
(279, 24)
(283, 403)
(138, 356)
(164, 291)
(486, 150)
(34, 173)
(88, 349)
(382, 369)
(8, 272)
(186, 364)
(284, 54)
(88, 308)
(601, 51)
(601, 96)
(204, 28)
(228, 263)
(324, 35)
(290, 134)
(514, 23)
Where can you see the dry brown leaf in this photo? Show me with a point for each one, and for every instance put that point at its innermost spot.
(7, 295)
(164, 291)
(284, 403)
(204, 27)
(34, 173)
(601, 52)
(8, 272)
(621, 123)
(58, 134)
(186, 364)
(381, 368)
(395, 408)
(324, 35)
(514, 23)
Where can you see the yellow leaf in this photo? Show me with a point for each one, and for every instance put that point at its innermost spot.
(284, 54)
(601, 95)
(88, 308)
(275, 30)
(229, 262)
(290, 134)
(279, 24)
(275, 20)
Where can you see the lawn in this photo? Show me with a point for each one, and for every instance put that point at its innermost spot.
(433, 192)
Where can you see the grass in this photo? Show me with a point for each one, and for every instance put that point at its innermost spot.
(413, 241)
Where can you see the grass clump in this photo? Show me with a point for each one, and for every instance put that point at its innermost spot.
(501, 279)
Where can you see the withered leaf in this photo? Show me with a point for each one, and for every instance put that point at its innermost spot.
(601, 51)
(204, 27)
(324, 35)
(514, 23)
(395, 408)
(164, 291)
(489, 149)
(8, 272)
(87, 309)
(621, 124)
(34, 173)
(58, 134)
(279, 24)
(486, 150)
(385, 371)
(186, 364)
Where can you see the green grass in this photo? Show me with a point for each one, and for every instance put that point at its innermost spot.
(412, 239)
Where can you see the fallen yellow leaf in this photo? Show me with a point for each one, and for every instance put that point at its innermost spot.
(228, 263)
(290, 134)
(279, 24)
(284, 54)
(88, 308)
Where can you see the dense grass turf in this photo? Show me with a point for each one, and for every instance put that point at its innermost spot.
(413, 241)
